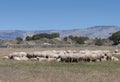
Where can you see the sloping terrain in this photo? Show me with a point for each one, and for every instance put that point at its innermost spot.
(91, 32)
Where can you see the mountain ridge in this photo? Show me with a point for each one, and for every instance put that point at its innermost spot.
(91, 32)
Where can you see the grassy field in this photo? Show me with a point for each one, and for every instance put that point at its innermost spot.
(29, 71)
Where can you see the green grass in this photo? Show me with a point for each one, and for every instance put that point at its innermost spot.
(29, 71)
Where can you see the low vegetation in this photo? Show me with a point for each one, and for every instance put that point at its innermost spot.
(76, 39)
(28, 71)
(99, 42)
(19, 40)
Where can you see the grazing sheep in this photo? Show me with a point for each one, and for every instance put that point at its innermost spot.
(64, 56)
(18, 54)
(104, 58)
(30, 55)
(108, 54)
(22, 54)
(37, 54)
(58, 60)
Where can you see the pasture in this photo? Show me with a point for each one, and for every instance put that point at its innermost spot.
(29, 71)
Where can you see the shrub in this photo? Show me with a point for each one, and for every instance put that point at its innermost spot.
(99, 42)
(19, 40)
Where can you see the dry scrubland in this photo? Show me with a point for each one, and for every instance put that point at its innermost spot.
(29, 71)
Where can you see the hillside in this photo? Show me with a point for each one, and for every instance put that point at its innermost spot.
(91, 32)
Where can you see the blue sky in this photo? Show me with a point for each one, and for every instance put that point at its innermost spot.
(58, 14)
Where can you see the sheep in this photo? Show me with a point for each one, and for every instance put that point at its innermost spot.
(64, 56)
(116, 51)
(24, 58)
(42, 59)
(74, 57)
(17, 54)
(17, 58)
(37, 53)
(114, 58)
(108, 54)
(30, 55)
(51, 60)
(104, 58)
(58, 60)
(54, 55)
(6, 57)
(13, 55)
(34, 59)
(22, 54)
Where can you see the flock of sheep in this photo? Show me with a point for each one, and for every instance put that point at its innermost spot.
(64, 56)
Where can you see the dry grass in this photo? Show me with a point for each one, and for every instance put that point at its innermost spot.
(6, 51)
(28, 71)
(13, 71)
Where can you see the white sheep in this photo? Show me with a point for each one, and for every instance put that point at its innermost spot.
(17, 58)
(6, 57)
(114, 58)
(42, 59)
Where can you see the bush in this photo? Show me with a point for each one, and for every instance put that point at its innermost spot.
(65, 38)
(99, 42)
(76, 39)
(28, 38)
(19, 40)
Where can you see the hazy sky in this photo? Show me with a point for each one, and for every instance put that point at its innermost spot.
(58, 14)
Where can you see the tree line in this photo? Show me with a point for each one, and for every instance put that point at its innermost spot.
(115, 37)
(42, 35)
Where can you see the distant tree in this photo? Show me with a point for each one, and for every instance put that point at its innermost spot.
(115, 38)
(79, 40)
(71, 37)
(1, 41)
(19, 40)
(76, 39)
(28, 38)
(42, 35)
(54, 35)
(99, 42)
(65, 38)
